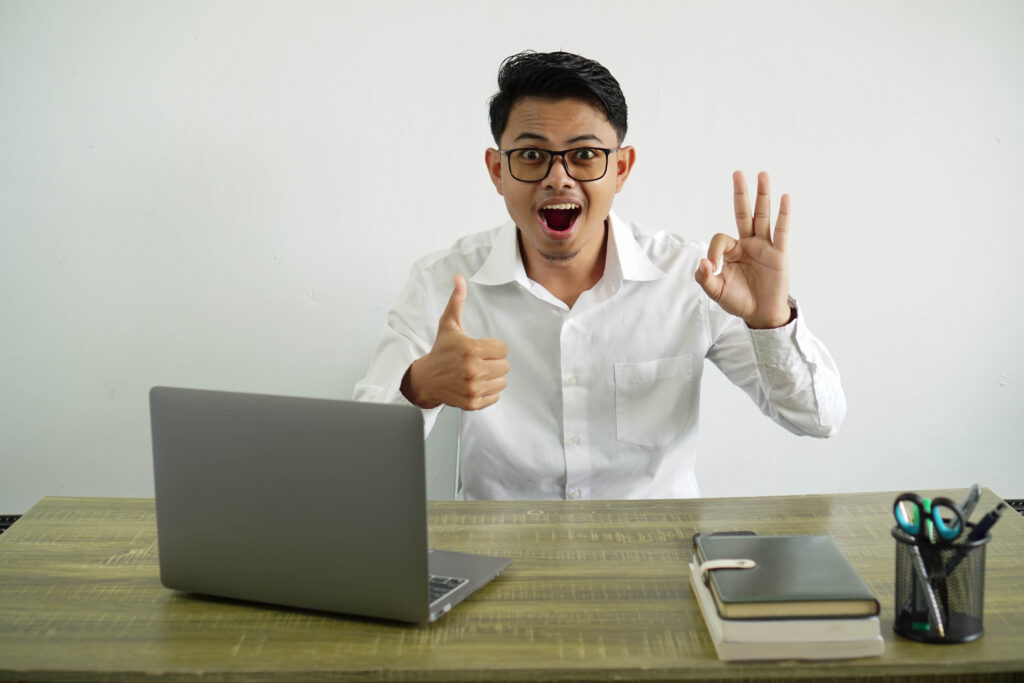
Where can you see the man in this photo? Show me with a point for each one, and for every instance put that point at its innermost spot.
(574, 342)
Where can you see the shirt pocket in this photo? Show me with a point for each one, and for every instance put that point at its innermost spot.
(653, 399)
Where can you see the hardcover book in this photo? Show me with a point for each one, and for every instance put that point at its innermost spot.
(793, 576)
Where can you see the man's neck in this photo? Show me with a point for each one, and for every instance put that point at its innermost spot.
(566, 279)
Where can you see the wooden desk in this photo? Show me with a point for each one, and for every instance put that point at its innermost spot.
(597, 591)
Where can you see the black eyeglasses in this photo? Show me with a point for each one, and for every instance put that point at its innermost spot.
(532, 164)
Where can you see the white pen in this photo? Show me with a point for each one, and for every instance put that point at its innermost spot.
(971, 501)
(934, 613)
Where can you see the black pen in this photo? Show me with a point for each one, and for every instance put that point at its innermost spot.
(978, 532)
(980, 529)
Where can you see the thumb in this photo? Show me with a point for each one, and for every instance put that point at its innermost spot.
(452, 315)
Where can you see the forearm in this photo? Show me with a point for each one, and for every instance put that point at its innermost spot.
(384, 379)
(801, 385)
(397, 349)
(788, 372)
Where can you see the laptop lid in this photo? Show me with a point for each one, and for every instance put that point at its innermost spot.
(304, 502)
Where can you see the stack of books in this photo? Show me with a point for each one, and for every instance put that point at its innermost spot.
(801, 599)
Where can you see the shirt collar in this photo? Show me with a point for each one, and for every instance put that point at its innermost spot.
(633, 262)
(504, 264)
(625, 258)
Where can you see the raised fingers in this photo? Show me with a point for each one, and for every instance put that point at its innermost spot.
(744, 221)
(781, 237)
(763, 207)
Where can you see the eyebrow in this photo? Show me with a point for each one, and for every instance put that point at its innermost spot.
(540, 138)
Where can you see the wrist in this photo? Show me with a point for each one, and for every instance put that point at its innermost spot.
(781, 319)
(410, 389)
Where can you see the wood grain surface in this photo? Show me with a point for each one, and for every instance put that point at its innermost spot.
(596, 591)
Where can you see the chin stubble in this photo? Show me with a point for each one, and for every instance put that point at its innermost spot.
(553, 258)
(560, 258)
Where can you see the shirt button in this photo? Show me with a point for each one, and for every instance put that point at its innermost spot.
(574, 494)
(572, 381)
(575, 440)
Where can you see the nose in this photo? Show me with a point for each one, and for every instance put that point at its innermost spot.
(558, 175)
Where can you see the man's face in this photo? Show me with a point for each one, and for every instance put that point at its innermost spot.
(559, 218)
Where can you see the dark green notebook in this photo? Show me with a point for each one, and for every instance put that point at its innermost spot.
(794, 577)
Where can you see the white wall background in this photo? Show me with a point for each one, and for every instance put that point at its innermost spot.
(228, 194)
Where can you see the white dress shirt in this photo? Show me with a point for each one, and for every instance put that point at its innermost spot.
(603, 398)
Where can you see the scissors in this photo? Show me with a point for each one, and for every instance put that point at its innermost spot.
(928, 518)
(929, 522)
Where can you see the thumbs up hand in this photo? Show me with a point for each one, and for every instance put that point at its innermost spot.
(459, 371)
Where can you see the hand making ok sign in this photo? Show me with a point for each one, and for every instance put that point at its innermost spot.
(753, 281)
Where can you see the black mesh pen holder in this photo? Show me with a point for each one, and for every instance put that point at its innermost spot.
(940, 588)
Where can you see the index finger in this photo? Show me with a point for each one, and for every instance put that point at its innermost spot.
(492, 349)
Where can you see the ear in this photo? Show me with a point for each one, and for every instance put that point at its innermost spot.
(624, 160)
(492, 158)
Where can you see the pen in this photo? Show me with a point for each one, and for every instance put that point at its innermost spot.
(970, 501)
(978, 532)
(980, 529)
(924, 585)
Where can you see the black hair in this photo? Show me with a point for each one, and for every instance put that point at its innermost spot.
(556, 76)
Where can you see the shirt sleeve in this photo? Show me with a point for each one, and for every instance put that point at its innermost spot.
(409, 334)
(786, 371)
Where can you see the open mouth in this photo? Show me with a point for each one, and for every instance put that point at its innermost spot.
(560, 217)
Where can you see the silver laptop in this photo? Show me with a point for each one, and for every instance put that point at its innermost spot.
(309, 503)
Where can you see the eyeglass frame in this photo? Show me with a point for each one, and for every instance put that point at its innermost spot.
(551, 162)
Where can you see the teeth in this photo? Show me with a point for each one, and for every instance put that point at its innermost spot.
(564, 207)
